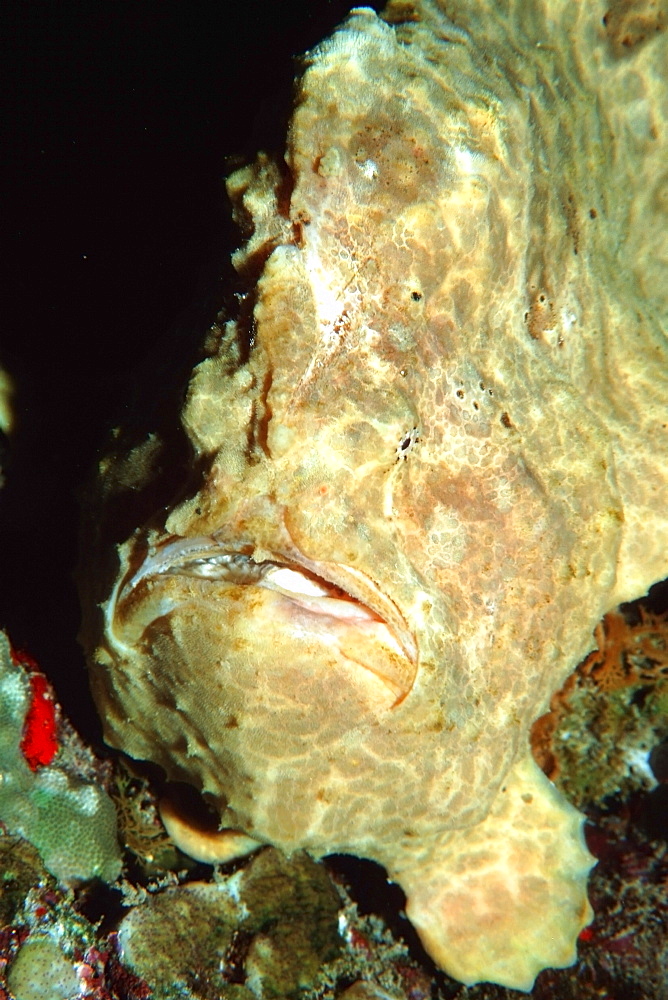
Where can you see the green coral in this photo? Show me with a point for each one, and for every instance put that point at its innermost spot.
(41, 971)
(293, 910)
(70, 821)
(177, 939)
(263, 932)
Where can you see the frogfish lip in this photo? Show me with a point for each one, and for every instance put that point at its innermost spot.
(340, 601)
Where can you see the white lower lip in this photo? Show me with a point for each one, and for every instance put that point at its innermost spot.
(341, 623)
(346, 611)
(331, 603)
(291, 581)
(345, 597)
(316, 596)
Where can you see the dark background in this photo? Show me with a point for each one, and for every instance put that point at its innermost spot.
(120, 122)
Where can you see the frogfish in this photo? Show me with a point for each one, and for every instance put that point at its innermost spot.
(423, 458)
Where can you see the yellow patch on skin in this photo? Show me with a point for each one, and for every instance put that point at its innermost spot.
(423, 469)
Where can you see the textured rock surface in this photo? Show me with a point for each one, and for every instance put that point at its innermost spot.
(427, 457)
(269, 927)
(42, 972)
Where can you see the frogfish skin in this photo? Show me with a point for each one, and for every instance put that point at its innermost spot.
(424, 459)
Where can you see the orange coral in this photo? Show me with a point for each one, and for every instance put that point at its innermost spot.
(631, 650)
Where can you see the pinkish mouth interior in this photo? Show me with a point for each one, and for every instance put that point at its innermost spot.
(343, 606)
(316, 595)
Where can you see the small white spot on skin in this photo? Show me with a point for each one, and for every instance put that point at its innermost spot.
(369, 169)
(466, 161)
(504, 494)
(568, 319)
(327, 299)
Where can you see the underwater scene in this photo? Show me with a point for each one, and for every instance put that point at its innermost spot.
(333, 502)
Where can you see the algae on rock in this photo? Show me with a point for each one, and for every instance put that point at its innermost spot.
(263, 932)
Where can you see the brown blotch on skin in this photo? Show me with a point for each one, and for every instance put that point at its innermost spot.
(540, 315)
(400, 12)
(631, 23)
(298, 234)
(571, 212)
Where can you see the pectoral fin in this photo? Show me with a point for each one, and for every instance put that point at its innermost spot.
(505, 899)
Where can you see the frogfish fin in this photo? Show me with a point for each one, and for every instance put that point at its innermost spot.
(507, 898)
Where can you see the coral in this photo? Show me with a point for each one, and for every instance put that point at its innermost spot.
(41, 971)
(177, 939)
(262, 932)
(293, 914)
(140, 828)
(70, 820)
(50, 938)
(21, 868)
(626, 947)
(631, 650)
(371, 963)
(603, 725)
(39, 743)
(73, 826)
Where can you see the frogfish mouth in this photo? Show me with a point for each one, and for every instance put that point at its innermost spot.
(326, 608)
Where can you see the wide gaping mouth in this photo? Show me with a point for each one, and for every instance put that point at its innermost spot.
(338, 600)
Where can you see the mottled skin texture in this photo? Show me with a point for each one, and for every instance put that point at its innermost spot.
(453, 407)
